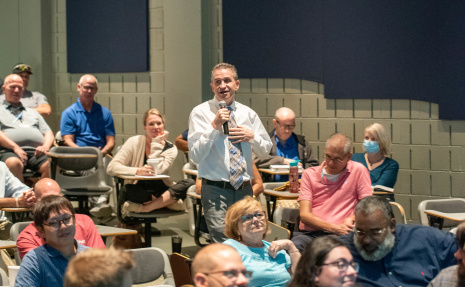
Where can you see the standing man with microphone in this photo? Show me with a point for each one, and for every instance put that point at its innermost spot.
(222, 134)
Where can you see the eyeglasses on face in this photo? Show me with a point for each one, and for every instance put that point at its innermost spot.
(233, 274)
(343, 265)
(375, 233)
(257, 214)
(334, 159)
(288, 127)
(56, 224)
(86, 88)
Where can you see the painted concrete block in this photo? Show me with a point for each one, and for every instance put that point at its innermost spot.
(400, 109)
(157, 39)
(309, 105)
(440, 158)
(421, 132)
(158, 102)
(129, 125)
(63, 82)
(118, 102)
(344, 108)
(157, 82)
(309, 87)
(61, 42)
(310, 129)
(143, 103)
(292, 86)
(420, 110)
(116, 83)
(458, 133)
(401, 132)
(245, 87)
(275, 86)
(345, 127)
(259, 86)
(440, 133)
(321, 88)
(259, 104)
(327, 127)
(157, 60)
(118, 122)
(421, 157)
(156, 18)
(415, 202)
(274, 102)
(155, 4)
(61, 6)
(421, 182)
(434, 111)
(143, 83)
(457, 158)
(382, 109)
(362, 108)
(294, 103)
(61, 23)
(129, 103)
(406, 203)
(326, 108)
(129, 83)
(458, 184)
(404, 182)
(441, 184)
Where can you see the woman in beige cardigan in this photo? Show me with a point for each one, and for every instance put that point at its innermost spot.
(147, 195)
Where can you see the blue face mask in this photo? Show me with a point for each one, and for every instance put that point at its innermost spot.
(371, 146)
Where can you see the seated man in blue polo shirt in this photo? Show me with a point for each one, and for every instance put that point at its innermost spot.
(87, 123)
(287, 146)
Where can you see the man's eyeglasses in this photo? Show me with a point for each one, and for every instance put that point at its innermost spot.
(86, 88)
(335, 159)
(288, 127)
(247, 217)
(233, 274)
(343, 265)
(372, 233)
(55, 225)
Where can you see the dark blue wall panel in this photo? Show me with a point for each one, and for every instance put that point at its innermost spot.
(105, 36)
(363, 49)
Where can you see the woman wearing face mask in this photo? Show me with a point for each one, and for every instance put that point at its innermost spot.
(326, 262)
(377, 146)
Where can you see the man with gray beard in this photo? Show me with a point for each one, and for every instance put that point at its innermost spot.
(390, 255)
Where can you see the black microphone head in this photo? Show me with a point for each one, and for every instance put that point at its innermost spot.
(222, 104)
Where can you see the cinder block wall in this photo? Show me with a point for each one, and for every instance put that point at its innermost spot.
(430, 152)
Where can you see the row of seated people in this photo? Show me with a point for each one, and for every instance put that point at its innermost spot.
(376, 253)
(25, 137)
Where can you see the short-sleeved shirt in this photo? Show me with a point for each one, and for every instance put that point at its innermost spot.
(88, 128)
(267, 271)
(30, 99)
(334, 201)
(86, 234)
(24, 126)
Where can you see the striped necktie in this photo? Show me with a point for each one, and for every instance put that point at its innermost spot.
(236, 160)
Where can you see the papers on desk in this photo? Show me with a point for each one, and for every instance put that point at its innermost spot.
(282, 168)
(382, 188)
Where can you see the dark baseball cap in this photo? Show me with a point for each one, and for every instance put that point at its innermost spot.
(19, 68)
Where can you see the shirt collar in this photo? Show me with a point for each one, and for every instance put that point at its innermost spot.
(8, 106)
(81, 108)
(216, 103)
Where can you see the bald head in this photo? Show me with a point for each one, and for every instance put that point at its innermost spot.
(214, 259)
(46, 186)
(88, 78)
(284, 113)
(13, 88)
(284, 123)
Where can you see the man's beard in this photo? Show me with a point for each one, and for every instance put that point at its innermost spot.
(383, 249)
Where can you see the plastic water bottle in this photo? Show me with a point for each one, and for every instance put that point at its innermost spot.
(294, 185)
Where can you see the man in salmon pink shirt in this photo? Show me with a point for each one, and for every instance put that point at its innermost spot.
(330, 191)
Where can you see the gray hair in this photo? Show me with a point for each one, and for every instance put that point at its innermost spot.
(338, 137)
(371, 204)
(226, 66)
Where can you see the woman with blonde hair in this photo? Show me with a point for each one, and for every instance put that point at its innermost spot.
(131, 159)
(246, 226)
(377, 145)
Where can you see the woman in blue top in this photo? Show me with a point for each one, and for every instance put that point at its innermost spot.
(377, 144)
(272, 263)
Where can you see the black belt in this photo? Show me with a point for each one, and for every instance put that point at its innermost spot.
(225, 184)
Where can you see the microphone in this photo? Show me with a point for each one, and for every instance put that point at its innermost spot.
(225, 125)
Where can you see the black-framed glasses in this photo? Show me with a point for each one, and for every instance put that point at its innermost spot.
(374, 233)
(56, 224)
(334, 159)
(343, 265)
(233, 273)
(289, 127)
(258, 214)
(86, 88)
